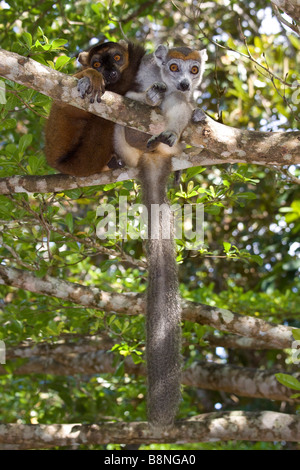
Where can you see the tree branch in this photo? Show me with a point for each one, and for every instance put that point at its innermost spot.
(277, 336)
(224, 143)
(258, 426)
(59, 182)
(282, 20)
(236, 342)
(241, 381)
(290, 7)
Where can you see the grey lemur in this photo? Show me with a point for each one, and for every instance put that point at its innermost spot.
(166, 78)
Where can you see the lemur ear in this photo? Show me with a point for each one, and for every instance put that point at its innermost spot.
(160, 54)
(83, 58)
(123, 43)
(203, 55)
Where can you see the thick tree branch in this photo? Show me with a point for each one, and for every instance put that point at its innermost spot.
(236, 342)
(283, 21)
(64, 347)
(227, 144)
(224, 320)
(58, 183)
(290, 7)
(92, 297)
(259, 426)
(241, 381)
(277, 336)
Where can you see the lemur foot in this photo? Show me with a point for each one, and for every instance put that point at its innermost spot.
(167, 137)
(198, 115)
(115, 162)
(84, 86)
(155, 94)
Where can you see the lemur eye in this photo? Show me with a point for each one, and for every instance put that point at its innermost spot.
(117, 57)
(174, 68)
(96, 65)
(195, 69)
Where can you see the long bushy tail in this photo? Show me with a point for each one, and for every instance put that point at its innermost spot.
(163, 304)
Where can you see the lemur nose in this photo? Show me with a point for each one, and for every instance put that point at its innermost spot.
(113, 75)
(184, 85)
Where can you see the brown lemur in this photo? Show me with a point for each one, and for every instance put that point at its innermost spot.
(166, 78)
(81, 144)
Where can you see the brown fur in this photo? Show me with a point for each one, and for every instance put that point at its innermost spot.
(77, 142)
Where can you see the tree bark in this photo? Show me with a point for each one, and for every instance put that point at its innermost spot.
(277, 336)
(58, 183)
(291, 7)
(265, 426)
(236, 342)
(241, 381)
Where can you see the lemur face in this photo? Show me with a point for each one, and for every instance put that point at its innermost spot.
(181, 67)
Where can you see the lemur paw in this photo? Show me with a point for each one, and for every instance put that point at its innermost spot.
(167, 137)
(198, 115)
(93, 86)
(155, 94)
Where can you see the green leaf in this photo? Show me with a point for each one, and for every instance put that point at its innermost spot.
(258, 43)
(70, 221)
(120, 370)
(24, 142)
(34, 164)
(288, 380)
(296, 334)
(27, 39)
(227, 246)
(257, 259)
(193, 171)
(230, 43)
(96, 8)
(213, 209)
(61, 62)
(41, 272)
(247, 195)
(73, 193)
(109, 186)
(136, 359)
(295, 41)
(11, 149)
(38, 45)
(40, 31)
(58, 43)
(8, 124)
